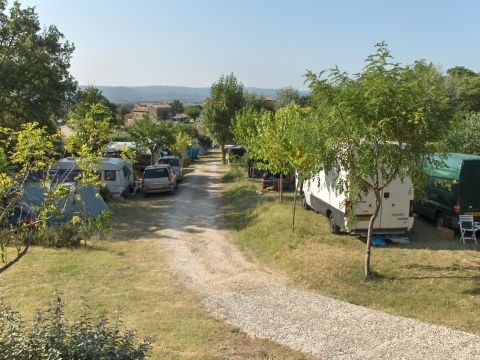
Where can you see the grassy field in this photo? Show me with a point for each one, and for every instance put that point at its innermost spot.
(434, 280)
(131, 274)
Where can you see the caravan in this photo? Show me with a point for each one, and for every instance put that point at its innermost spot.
(116, 173)
(395, 216)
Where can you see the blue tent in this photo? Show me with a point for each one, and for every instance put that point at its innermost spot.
(84, 201)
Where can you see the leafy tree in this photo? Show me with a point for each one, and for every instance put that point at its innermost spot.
(193, 111)
(463, 134)
(24, 154)
(182, 142)
(84, 99)
(379, 125)
(287, 96)
(464, 90)
(226, 98)
(91, 132)
(152, 136)
(177, 106)
(258, 102)
(35, 82)
(121, 111)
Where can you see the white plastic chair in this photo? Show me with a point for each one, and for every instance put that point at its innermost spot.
(467, 226)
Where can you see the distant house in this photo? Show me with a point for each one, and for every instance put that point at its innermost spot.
(154, 111)
(180, 117)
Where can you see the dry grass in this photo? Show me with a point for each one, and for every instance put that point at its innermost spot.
(131, 274)
(430, 279)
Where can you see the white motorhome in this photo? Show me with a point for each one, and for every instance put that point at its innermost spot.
(395, 216)
(116, 173)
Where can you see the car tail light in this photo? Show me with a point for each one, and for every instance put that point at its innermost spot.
(456, 207)
(170, 177)
(410, 209)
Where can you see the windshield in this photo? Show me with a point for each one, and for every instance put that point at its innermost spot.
(172, 162)
(155, 173)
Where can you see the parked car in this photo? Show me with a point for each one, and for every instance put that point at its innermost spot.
(175, 162)
(273, 181)
(452, 189)
(159, 178)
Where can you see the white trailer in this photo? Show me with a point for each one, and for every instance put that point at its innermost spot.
(116, 173)
(395, 216)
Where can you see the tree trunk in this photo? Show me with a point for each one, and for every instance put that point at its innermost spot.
(378, 203)
(224, 155)
(280, 188)
(253, 171)
(294, 207)
(18, 257)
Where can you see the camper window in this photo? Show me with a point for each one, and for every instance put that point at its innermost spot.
(109, 175)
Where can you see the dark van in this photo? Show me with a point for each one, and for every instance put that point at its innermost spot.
(453, 188)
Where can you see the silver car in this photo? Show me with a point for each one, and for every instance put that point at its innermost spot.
(175, 162)
(159, 178)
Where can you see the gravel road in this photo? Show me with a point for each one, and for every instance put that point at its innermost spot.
(262, 303)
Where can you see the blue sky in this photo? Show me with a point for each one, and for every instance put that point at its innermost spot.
(269, 43)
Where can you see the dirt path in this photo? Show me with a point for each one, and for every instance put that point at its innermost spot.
(260, 302)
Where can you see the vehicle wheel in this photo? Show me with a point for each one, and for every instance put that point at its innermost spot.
(304, 203)
(172, 192)
(334, 228)
(439, 221)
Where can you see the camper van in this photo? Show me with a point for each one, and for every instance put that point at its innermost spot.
(116, 173)
(395, 216)
(452, 189)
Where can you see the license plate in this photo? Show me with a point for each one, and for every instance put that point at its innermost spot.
(363, 217)
(474, 213)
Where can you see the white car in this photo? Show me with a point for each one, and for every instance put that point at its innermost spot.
(159, 178)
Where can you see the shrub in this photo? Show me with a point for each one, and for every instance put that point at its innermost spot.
(52, 337)
(65, 235)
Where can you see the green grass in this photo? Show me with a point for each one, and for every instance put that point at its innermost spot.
(131, 274)
(431, 279)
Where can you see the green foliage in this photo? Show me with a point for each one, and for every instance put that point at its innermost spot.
(286, 96)
(35, 83)
(177, 106)
(91, 132)
(379, 125)
(152, 135)
(463, 134)
(182, 142)
(51, 336)
(61, 236)
(226, 98)
(84, 99)
(258, 102)
(193, 111)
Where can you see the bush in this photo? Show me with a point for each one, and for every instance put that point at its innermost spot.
(65, 235)
(52, 337)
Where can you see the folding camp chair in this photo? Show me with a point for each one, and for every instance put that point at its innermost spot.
(467, 226)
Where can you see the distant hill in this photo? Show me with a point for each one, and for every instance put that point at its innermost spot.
(157, 93)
